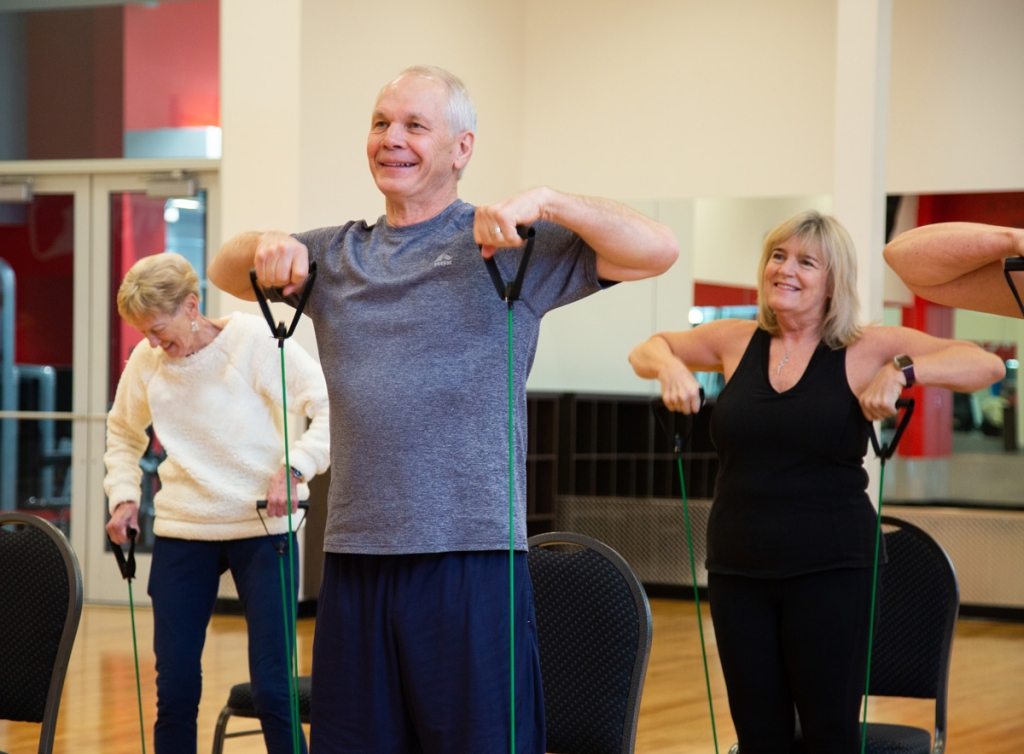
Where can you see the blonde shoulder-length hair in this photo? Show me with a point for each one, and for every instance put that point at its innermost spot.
(841, 326)
(154, 285)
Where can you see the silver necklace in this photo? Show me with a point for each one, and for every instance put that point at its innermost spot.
(782, 363)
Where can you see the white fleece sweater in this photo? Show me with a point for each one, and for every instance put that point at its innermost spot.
(218, 415)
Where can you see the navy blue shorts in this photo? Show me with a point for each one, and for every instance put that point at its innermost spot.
(411, 654)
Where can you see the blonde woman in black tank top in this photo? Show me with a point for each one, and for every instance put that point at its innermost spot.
(790, 536)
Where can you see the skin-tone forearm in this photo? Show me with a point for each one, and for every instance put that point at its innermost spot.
(961, 367)
(229, 269)
(280, 261)
(654, 360)
(650, 357)
(629, 245)
(958, 264)
(953, 364)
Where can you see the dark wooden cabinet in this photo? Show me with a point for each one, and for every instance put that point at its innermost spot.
(616, 446)
(610, 445)
(542, 462)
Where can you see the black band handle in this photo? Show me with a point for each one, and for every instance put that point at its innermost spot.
(279, 330)
(280, 542)
(510, 291)
(884, 452)
(657, 407)
(1014, 264)
(262, 505)
(125, 564)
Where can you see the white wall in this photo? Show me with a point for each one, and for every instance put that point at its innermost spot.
(956, 116)
(668, 99)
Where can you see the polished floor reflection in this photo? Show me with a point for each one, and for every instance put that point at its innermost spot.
(99, 710)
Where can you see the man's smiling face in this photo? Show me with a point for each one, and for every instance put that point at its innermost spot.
(414, 157)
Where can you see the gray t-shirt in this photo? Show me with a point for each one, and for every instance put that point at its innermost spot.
(413, 342)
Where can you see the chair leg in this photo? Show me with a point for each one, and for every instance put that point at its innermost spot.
(218, 732)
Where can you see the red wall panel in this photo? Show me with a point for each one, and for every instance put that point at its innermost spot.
(172, 65)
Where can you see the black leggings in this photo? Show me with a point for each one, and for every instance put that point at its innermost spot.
(796, 641)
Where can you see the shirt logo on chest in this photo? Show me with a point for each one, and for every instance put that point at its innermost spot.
(445, 260)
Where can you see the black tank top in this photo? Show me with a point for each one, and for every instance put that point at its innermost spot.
(790, 497)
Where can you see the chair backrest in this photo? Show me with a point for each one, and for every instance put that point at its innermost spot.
(41, 598)
(594, 631)
(918, 602)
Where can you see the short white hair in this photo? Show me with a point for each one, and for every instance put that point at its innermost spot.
(461, 111)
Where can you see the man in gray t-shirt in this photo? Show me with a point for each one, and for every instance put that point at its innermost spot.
(412, 336)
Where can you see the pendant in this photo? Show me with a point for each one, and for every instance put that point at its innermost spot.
(782, 363)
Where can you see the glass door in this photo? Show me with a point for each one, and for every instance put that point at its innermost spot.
(44, 350)
(134, 216)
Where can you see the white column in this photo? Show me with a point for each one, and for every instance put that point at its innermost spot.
(260, 86)
(864, 31)
(863, 41)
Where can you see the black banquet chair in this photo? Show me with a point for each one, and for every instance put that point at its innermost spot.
(41, 599)
(594, 633)
(240, 704)
(916, 611)
(918, 603)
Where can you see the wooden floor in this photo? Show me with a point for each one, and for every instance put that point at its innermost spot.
(99, 709)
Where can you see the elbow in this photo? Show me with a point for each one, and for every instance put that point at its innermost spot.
(988, 369)
(644, 357)
(217, 271)
(634, 359)
(213, 272)
(997, 369)
(666, 254)
(638, 361)
(892, 256)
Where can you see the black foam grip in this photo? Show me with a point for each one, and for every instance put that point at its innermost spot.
(262, 505)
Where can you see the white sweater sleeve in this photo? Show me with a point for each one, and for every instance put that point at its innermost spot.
(126, 434)
(307, 395)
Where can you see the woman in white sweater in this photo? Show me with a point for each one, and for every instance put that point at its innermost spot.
(211, 389)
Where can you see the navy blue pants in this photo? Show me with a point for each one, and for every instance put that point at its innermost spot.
(411, 654)
(796, 641)
(183, 583)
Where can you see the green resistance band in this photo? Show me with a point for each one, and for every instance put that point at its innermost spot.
(127, 568)
(283, 548)
(288, 596)
(509, 293)
(883, 453)
(679, 443)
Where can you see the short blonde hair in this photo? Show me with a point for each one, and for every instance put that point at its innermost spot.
(841, 326)
(156, 284)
